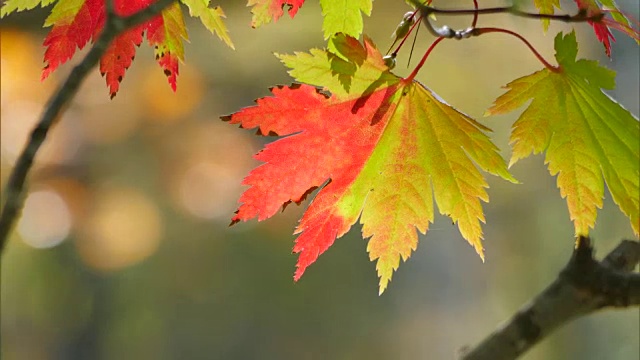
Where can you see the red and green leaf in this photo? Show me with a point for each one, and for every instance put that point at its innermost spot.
(588, 138)
(379, 149)
(165, 34)
(603, 27)
(78, 22)
(75, 23)
(264, 11)
(339, 16)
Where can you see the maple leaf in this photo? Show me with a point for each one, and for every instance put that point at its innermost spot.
(211, 18)
(379, 151)
(344, 16)
(118, 57)
(266, 10)
(165, 34)
(602, 27)
(10, 6)
(601, 30)
(75, 22)
(620, 21)
(546, 7)
(588, 138)
(122, 50)
(78, 22)
(339, 16)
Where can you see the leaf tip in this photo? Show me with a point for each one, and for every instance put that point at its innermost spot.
(479, 250)
(514, 159)
(298, 273)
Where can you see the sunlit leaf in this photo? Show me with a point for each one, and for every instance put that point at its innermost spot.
(380, 149)
(588, 138)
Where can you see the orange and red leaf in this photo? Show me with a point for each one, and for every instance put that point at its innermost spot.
(380, 148)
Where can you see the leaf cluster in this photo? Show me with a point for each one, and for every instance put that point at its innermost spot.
(385, 150)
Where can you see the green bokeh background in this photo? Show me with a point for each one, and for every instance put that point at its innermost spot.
(208, 291)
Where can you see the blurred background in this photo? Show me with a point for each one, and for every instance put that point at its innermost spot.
(123, 250)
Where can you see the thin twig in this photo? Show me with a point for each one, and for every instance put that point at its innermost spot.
(582, 287)
(581, 16)
(15, 188)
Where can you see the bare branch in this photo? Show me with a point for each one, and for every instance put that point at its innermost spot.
(582, 287)
(14, 190)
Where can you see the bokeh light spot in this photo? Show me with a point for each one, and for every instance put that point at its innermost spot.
(123, 229)
(205, 190)
(162, 104)
(46, 220)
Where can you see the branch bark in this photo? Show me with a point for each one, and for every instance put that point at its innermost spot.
(584, 286)
(14, 192)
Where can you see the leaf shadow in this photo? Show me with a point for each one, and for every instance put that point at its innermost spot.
(346, 55)
(384, 107)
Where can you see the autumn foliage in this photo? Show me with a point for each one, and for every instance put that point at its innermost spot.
(385, 150)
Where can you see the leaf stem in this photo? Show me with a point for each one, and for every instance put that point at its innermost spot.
(480, 31)
(424, 58)
(475, 14)
(404, 39)
(13, 193)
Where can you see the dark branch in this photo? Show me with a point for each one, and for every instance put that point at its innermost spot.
(14, 190)
(582, 287)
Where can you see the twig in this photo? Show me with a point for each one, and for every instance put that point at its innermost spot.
(581, 16)
(582, 287)
(445, 31)
(14, 190)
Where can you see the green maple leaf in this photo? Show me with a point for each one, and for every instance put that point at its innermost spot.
(382, 149)
(344, 16)
(211, 18)
(10, 6)
(588, 138)
(546, 7)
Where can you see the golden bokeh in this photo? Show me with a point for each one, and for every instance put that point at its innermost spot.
(22, 99)
(161, 104)
(206, 168)
(123, 228)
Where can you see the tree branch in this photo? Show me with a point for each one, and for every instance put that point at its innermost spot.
(584, 286)
(15, 188)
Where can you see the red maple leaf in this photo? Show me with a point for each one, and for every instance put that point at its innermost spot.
(71, 33)
(602, 31)
(73, 28)
(382, 149)
(266, 10)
